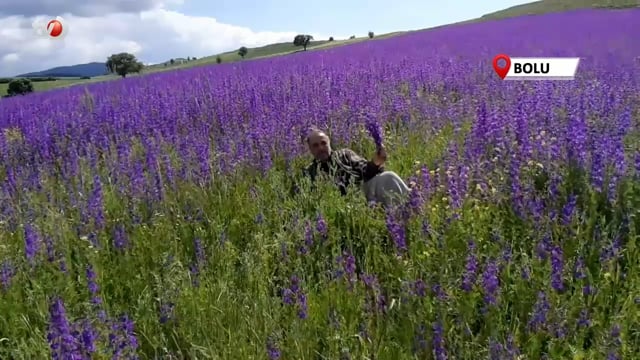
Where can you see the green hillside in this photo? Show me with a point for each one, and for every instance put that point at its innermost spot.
(551, 6)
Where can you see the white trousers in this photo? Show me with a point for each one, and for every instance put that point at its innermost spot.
(386, 188)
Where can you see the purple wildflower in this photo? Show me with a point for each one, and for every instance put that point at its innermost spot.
(86, 335)
(397, 232)
(259, 218)
(420, 288)
(31, 243)
(491, 283)
(420, 342)
(199, 251)
(568, 210)
(62, 343)
(496, 350)
(294, 296)
(272, 349)
(526, 272)
(583, 319)
(93, 286)
(347, 268)
(95, 204)
(321, 227)
(166, 311)
(544, 247)
(513, 352)
(471, 269)
(7, 272)
(579, 269)
(557, 269)
(539, 316)
(615, 343)
(439, 351)
(375, 298)
(611, 252)
(439, 292)
(375, 131)
(120, 238)
(308, 239)
(416, 200)
(123, 342)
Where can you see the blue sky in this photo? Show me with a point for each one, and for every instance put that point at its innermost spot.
(158, 30)
(344, 17)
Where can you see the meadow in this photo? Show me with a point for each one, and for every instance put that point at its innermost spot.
(162, 216)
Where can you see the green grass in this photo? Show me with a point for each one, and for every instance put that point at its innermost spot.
(551, 6)
(60, 83)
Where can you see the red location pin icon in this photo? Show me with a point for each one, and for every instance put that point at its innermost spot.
(502, 71)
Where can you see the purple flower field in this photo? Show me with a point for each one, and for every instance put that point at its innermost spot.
(153, 217)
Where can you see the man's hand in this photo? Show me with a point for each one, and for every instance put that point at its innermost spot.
(381, 157)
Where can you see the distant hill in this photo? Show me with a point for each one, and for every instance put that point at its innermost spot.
(553, 6)
(80, 70)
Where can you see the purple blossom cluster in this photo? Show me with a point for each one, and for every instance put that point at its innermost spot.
(294, 296)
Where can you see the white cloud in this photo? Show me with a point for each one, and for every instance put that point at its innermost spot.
(11, 58)
(153, 36)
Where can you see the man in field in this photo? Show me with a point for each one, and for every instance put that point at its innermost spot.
(346, 167)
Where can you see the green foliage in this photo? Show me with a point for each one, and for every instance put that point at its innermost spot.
(124, 64)
(39, 79)
(218, 59)
(370, 34)
(302, 40)
(331, 38)
(19, 87)
(352, 37)
(32, 79)
(243, 51)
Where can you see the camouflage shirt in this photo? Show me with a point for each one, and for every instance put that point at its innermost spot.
(345, 167)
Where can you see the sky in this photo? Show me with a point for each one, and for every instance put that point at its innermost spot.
(158, 30)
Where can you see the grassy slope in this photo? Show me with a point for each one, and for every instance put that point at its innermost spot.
(534, 8)
(550, 6)
(229, 56)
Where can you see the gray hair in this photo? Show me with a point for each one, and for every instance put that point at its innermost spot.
(310, 131)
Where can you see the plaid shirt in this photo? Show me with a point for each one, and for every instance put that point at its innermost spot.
(345, 167)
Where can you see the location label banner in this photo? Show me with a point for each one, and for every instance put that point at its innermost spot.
(556, 68)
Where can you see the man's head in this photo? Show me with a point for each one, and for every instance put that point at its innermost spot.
(319, 145)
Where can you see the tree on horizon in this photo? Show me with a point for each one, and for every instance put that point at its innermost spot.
(243, 51)
(302, 40)
(123, 64)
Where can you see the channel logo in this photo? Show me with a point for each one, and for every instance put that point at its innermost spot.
(54, 29)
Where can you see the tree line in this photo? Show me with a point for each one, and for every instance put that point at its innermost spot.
(124, 64)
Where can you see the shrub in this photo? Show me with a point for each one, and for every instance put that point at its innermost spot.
(20, 87)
